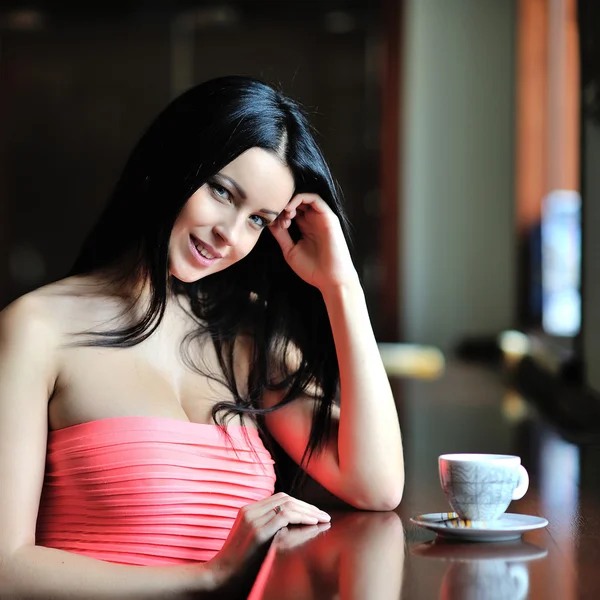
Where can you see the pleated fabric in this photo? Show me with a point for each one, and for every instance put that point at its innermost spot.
(149, 490)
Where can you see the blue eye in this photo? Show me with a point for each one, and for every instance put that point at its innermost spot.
(260, 222)
(220, 192)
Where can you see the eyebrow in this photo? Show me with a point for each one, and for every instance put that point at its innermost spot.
(243, 195)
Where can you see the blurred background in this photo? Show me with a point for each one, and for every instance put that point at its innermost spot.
(464, 133)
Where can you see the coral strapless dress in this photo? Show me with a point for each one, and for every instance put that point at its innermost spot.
(149, 490)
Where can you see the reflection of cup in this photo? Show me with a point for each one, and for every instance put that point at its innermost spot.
(485, 580)
(480, 487)
(494, 571)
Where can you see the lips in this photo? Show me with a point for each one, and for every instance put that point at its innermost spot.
(204, 253)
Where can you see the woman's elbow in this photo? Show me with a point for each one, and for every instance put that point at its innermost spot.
(384, 499)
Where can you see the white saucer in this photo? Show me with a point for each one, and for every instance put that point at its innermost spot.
(508, 527)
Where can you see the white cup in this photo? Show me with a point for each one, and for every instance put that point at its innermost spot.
(480, 487)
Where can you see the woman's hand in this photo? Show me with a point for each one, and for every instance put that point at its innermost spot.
(255, 525)
(321, 257)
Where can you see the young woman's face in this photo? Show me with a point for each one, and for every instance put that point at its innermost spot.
(222, 221)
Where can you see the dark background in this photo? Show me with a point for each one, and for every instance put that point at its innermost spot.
(80, 82)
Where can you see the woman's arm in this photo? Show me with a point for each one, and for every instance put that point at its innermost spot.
(28, 371)
(371, 461)
(36, 572)
(363, 461)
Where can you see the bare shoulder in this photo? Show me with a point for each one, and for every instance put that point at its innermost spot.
(28, 363)
(28, 319)
(57, 310)
(43, 319)
(36, 328)
(28, 373)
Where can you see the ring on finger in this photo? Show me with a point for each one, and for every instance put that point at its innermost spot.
(277, 509)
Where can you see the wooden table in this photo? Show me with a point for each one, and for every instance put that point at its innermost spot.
(380, 556)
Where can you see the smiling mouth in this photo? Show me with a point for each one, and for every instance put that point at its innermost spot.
(203, 250)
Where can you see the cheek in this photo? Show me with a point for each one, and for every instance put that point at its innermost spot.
(245, 246)
(198, 209)
(184, 218)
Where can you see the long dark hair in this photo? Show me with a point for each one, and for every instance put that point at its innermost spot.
(197, 135)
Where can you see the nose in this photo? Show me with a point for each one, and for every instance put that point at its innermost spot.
(228, 233)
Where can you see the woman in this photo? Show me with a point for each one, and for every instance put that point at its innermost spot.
(133, 392)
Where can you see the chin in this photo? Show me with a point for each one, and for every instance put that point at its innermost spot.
(189, 275)
(185, 279)
(185, 273)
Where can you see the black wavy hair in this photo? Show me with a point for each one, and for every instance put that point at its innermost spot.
(198, 134)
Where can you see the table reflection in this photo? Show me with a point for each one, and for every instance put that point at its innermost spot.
(491, 571)
(363, 555)
(360, 556)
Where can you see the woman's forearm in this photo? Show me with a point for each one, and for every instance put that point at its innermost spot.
(371, 459)
(37, 572)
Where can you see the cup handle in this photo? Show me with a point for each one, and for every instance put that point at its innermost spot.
(523, 484)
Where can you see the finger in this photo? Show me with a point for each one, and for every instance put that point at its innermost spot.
(306, 213)
(297, 515)
(301, 505)
(312, 509)
(294, 511)
(282, 235)
(280, 499)
(298, 506)
(313, 200)
(295, 202)
(262, 507)
(289, 212)
(288, 515)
